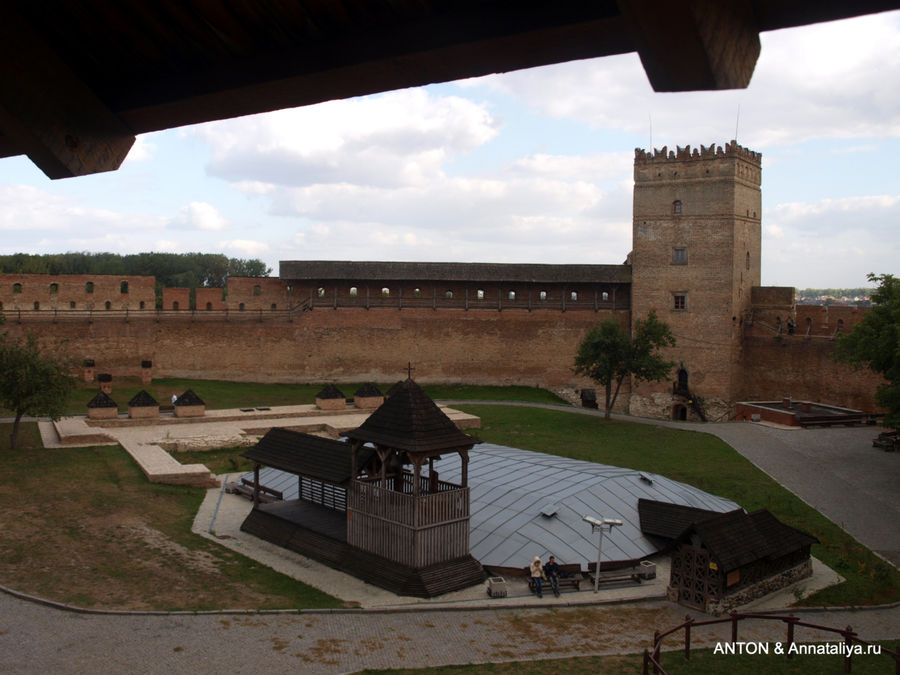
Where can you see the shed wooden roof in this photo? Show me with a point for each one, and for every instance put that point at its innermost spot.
(409, 420)
(664, 519)
(736, 539)
(305, 455)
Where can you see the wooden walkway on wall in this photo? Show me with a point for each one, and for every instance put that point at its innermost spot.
(278, 528)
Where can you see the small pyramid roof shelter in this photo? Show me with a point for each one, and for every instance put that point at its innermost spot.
(102, 400)
(368, 389)
(411, 422)
(330, 391)
(142, 400)
(189, 398)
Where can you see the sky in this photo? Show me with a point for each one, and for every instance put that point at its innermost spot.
(528, 166)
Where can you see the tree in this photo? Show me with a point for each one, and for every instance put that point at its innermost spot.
(875, 343)
(608, 355)
(31, 382)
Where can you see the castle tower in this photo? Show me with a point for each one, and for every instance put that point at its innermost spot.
(695, 257)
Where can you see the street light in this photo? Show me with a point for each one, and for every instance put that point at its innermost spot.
(599, 524)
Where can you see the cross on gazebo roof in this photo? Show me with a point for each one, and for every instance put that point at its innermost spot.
(409, 369)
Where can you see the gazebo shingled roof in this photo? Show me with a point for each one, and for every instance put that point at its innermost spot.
(668, 520)
(102, 400)
(410, 421)
(142, 400)
(330, 391)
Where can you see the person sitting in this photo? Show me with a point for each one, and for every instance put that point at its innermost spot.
(537, 572)
(551, 571)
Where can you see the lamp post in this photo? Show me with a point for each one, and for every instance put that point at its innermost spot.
(599, 524)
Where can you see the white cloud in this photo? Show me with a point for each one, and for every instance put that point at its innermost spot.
(244, 247)
(396, 139)
(199, 216)
(141, 151)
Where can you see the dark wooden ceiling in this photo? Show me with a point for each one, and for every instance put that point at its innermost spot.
(79, 78)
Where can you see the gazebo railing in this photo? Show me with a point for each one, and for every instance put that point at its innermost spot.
(850, 639)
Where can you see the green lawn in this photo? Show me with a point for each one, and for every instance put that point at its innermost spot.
(218, 394)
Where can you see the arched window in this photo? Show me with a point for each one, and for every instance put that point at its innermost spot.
(175, 305)
(542, 295)
(840, 326)
(141, 305)
(89, 287)
(123, 288)
(479, 294)
(54, 289)
(676, 206)
(257, 290)
(241, 307)
(574, 296)
(1, 306)
(71, 304)
(107, 304)
(17, 288)
(37, 305)
(274, 306)
(512, 295)
(448, 295)
(385, 292)
(748, 260)
(354, 291)
(208, 306)
(808, 325)
(320, 292)
(604, 296)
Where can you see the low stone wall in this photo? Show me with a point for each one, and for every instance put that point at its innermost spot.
(760, 588)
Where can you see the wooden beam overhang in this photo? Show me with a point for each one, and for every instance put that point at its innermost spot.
(48, 113)
(688, 45)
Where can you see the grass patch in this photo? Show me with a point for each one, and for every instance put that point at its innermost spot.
(703, 662)
(701, 460)
(84, 526)
(218, 394)
(219, 461)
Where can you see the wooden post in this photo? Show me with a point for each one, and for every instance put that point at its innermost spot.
(848, 640)
(656, 650)
(464, 473)
(687, 637)
(734, 627)
(417, 473)
(790, 635)
(255, 485)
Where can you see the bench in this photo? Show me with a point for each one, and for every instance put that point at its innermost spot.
(635, 574)
(569, 577)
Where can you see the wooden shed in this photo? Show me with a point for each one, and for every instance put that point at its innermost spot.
(729, 559)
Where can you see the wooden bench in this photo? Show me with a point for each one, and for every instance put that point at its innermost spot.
(634, 574)
(569, 577)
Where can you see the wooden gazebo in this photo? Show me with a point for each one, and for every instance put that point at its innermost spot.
(360, 510)
(403, 515)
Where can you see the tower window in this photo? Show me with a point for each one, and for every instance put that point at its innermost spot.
(679, 302)
(89, 287)
(354, 291)
(676, 206)
(748, 260)
(679, 255)
(257, 290)
(17, 288)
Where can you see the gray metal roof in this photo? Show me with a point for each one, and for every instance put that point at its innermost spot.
(510, 488)
(322, 270)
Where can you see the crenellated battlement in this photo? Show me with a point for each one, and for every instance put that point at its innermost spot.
(712, 151)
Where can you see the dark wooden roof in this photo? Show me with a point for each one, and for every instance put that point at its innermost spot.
(663, 519)
(102, 400)
(305, 455)
(330, 391)
(362, 271)
(368, 389)
(736, 538)
(142, 400)
(81, 78)
(409, 420)
(189, 398)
